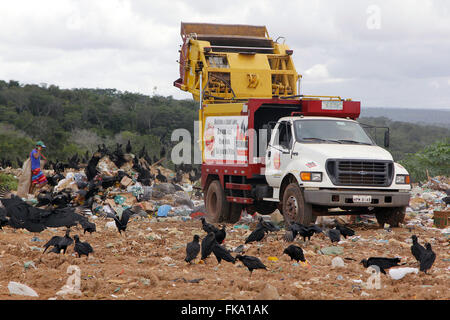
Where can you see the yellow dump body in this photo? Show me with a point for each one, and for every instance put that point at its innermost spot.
(230, 63)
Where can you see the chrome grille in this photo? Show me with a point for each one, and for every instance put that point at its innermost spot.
(360, 172)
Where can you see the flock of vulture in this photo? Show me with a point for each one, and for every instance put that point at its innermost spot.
(64, 208)
(212, 243)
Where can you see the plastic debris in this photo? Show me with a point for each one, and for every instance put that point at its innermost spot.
(241, 226)
(164, 210)
(21, 289)
(337, 262)
(110, 225)
(399, 273)
(28, 264)
(273, 259)
(334, 250)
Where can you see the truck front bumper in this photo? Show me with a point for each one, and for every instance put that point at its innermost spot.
(334, 198)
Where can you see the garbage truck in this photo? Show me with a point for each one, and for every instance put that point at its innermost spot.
(267, 147)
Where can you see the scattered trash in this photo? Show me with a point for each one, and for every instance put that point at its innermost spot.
(399, 273)
(334, 250)
(268, 293)
(241, 226)
(28, 264)
(337, 262)
(164, 210)
(111, 225)
(21, 289)
(273, 259)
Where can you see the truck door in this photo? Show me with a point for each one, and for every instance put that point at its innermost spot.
(278, 153)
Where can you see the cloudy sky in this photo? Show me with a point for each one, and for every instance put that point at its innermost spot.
(391, 53)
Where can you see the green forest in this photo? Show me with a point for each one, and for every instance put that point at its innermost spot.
(73, 121)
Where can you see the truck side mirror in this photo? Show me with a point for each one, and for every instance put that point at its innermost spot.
(386, 139)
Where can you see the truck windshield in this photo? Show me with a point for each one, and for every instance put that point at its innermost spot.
(330, 131)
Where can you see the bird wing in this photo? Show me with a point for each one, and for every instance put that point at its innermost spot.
(222, 253)
(52, 242)
(256, 235)
(192, 250)
(126, 214)
(66, 241)
(63, 217)
(426, 260)
(315, 228)
(254, 262)
(88, 247)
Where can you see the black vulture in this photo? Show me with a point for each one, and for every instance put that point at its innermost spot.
(268, 225)
(251, 263)
(207, 245)
(427, 258)
(121, 223)
(256, 235)
(295, 252)
(82, 248)
(3, 218)
(192, 249)
(91, 168)
(128, 147)
(59, 243)
(161, 177)
(334, 235)
(207, 227)
(88, 226)
(381, 262)
(222, 254)
(345, 231)
(416, 248)
(221, 234)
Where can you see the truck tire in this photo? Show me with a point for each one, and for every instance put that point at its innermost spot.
(216, 203)
(392, 216)
(234, 213)
(294, 207)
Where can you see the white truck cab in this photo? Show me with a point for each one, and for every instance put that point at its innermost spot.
(316, 162)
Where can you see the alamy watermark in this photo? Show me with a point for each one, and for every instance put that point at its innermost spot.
(374, 19)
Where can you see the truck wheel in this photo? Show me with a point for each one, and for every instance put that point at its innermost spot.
(294, 207)
(392, 216)
(235, 212)
(216, 203)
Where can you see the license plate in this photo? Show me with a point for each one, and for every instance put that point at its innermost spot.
(362, 199)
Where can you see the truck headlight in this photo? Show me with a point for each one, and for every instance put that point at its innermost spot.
(402, 179)
(311, 176)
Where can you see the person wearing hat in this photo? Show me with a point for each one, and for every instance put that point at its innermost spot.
(38, 178)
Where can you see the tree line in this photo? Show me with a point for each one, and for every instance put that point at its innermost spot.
(73, 121)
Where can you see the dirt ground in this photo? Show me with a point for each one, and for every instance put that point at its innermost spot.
(148, 263)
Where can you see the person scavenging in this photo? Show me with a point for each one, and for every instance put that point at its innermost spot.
(38, 178)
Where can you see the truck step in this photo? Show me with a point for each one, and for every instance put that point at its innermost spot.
(238, 186)
(240, 200)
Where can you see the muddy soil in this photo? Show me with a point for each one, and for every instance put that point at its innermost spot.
(148, 263)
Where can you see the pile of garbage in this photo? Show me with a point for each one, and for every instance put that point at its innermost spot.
(427, 200)
(148, 190)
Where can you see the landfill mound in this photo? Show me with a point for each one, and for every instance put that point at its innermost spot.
(147, 261)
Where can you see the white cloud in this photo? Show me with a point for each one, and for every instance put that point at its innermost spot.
(133, 45)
